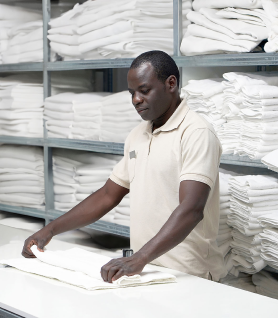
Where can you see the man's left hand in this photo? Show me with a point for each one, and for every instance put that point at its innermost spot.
(119, 267)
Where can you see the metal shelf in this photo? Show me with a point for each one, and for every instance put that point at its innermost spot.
(241, 161)
(87, 145)
(21, 67)
(22, 210)
(102, 226)
(109, 147)
(240, 59)
(22, 141)
(89, 64)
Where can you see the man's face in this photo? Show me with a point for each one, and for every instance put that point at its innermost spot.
(150, 96)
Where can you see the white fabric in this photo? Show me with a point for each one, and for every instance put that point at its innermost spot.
(249, 4)
(82, 268)
(266, 283)
(115, 30)
(223, 31)
(269, 250)
(78, 174)
(269, 220)
(271, 160)
(21, 176)
(90, 116)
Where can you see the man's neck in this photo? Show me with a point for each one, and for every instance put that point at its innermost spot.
(165, 117)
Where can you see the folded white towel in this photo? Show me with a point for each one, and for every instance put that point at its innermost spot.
(82, 268)
(249, 4)
(269, 220)
(271, 160)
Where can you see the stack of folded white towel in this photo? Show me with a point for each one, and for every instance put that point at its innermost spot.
(224, 27)
(252, 124)
(118, 117)
(91, 116)
(11, 17)
(266, 283)
(271, 160)
(21, 100)
(110, 29)
(271, 10)
(71, 115)
(206, 97)
(77, 81)
(21, 106)
(224, 237)
(22, 176)
(269, 238)
(78, 174)
(251, 197)
(25, 43)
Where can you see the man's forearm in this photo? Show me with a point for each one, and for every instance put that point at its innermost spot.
(89, 210)
(181, 222)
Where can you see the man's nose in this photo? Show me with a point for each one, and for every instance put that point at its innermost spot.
(137, 99)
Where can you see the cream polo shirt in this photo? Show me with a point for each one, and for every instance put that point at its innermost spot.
(154, 164)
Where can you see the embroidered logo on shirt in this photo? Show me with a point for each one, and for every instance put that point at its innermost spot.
(132, 154)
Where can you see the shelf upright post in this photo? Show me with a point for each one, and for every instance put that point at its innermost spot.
(261, 68)
(48, 173)
(177, 29)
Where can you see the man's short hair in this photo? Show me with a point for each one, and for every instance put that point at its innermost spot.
(164, 66)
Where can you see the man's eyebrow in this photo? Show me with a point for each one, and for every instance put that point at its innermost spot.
(142, 86)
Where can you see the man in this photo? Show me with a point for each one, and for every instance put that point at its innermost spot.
(170, 167)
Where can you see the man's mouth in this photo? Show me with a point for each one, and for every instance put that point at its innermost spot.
(141, 110)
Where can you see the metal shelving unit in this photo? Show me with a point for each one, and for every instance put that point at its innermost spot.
(244, 59)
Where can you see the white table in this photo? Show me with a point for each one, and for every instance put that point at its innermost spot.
(29, 295)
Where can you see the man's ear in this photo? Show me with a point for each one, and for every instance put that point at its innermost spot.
(172, 83)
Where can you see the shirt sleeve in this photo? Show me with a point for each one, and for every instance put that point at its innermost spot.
(201, 152)
(120, 173)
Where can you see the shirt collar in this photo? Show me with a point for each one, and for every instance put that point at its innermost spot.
(173, 122)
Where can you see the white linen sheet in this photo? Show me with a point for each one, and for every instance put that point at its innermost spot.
(82, 268)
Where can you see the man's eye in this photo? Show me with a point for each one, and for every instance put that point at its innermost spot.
(145, 91)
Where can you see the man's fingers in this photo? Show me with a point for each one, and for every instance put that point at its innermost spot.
(27, 255)
(104, 272)
(111, 273)
(118, 275)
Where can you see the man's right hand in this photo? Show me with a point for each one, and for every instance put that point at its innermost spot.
(40, 238)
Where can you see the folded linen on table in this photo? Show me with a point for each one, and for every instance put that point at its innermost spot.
(82, 268)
